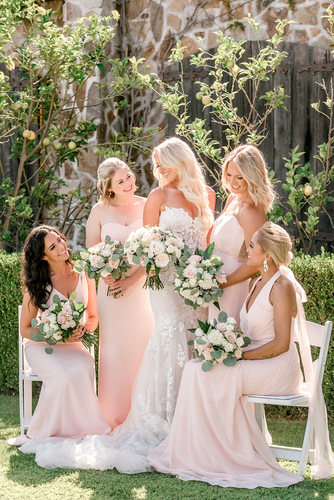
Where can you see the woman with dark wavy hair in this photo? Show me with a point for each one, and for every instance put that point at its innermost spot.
(67, 406)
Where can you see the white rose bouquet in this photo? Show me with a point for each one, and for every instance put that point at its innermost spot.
(153, 246)
(103, 259)
(199, 276)
(58, 321)
(218, 342)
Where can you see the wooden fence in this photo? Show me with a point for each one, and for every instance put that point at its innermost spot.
(301, 125)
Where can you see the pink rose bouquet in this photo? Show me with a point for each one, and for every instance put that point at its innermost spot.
(103, 259)
(218, 342)
(153, 247)
(58, 321)
(199, 276)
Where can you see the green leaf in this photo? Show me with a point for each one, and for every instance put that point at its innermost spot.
(222, 317)
(204, 326)
(101, 67)
(37, 336)
(216, 355)
(56, 299)
(135, 259)
(206, 366)
(34, 323)
(73, 295)
(48, 350)
(230, 361)
(200, 341)
(209, 251)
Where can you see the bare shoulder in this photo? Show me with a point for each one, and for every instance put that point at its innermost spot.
(211, 197)
(158, 194)
(97, 209)
(249, 213)
(283, 287)
(229, 200)
(139, 200)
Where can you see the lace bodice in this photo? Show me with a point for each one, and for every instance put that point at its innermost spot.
(183, 225)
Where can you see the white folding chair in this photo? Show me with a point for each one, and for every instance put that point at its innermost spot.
(26, 377)
(319, 336)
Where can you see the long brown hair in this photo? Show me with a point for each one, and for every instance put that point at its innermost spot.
(35, 270)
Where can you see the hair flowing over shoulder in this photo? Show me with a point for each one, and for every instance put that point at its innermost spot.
(177, 155)
(253, 168)
(35, 270)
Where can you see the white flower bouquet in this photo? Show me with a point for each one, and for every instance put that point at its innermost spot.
(58, 321)
(153, 246)
(218, 342)
(199, 276)
(103, 259)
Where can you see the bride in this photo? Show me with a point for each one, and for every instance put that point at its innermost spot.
(183, 204)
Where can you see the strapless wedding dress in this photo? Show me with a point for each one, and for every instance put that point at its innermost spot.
(157, 385)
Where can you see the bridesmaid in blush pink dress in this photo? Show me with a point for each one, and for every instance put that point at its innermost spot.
(68, 406)
(125, 323)
(245, 177)
(214, 435)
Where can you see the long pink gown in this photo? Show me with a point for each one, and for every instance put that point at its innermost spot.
(126, 324)
(68, 406)
(229, 239)
(214, 436)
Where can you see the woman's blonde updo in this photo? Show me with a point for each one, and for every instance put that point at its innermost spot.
(177, 155)
(253, 168)
(105, 173)
(276, 242)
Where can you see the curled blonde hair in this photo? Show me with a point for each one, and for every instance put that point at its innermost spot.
(276, 242)
(105, 174)
(177, 155)
(253, 168)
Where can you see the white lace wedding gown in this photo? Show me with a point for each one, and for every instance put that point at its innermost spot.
(157, 384)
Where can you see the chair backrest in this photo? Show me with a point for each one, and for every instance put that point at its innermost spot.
(319, 335)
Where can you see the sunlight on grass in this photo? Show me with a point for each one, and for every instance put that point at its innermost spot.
(139, 493)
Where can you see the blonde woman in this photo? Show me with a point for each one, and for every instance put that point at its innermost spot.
(126, 322)
(214, 436)
(251, 195)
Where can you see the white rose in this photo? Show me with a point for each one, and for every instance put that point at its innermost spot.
(107, 251)
(113, 263)
(231, 320)
(52, 318)
(207, 262)
(240, 341)
(238, 354)
(185, 294)
(156, 236)
(221, 327)
(46, 328)
(161, 260)
(205, 284)
(72, 323)
(189, 271)
(199, 301)
(157, 247)
(171, 249)
(229, 328)
(221, 278)
(192, 281)
(207, 354)
(66, 309)
(222, 356)
(45, 316)
(178, 282)
(199, 332)
(57, 336)
(194, 259)
(215, 337)
(104, 273)
(146, 239)
(227, 346)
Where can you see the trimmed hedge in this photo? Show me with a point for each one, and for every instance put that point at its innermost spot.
(316, 274)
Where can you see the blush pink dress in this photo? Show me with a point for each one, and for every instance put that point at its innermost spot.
(214, 435)
(126, 324)
(229, 239)
(68, 406)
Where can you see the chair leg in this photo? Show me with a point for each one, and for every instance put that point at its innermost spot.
(27, 399)
(21, 407)
(260, 416)
(308, 437)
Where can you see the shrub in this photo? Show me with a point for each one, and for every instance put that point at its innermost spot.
(316, 274)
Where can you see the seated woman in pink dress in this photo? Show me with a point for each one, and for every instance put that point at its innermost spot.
(214, 435)
(67, 406)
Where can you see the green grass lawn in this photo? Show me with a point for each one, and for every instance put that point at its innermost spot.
(21, 478)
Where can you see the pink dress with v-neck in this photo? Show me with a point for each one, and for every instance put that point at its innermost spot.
(125, 326)
(214, 435)
(68, 406)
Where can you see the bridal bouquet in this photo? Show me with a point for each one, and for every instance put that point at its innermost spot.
(58, 321)
(199, 276)
(104, 259)
(218, 342)
(153, 246)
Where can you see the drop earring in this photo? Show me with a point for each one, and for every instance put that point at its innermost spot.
(265, 265)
